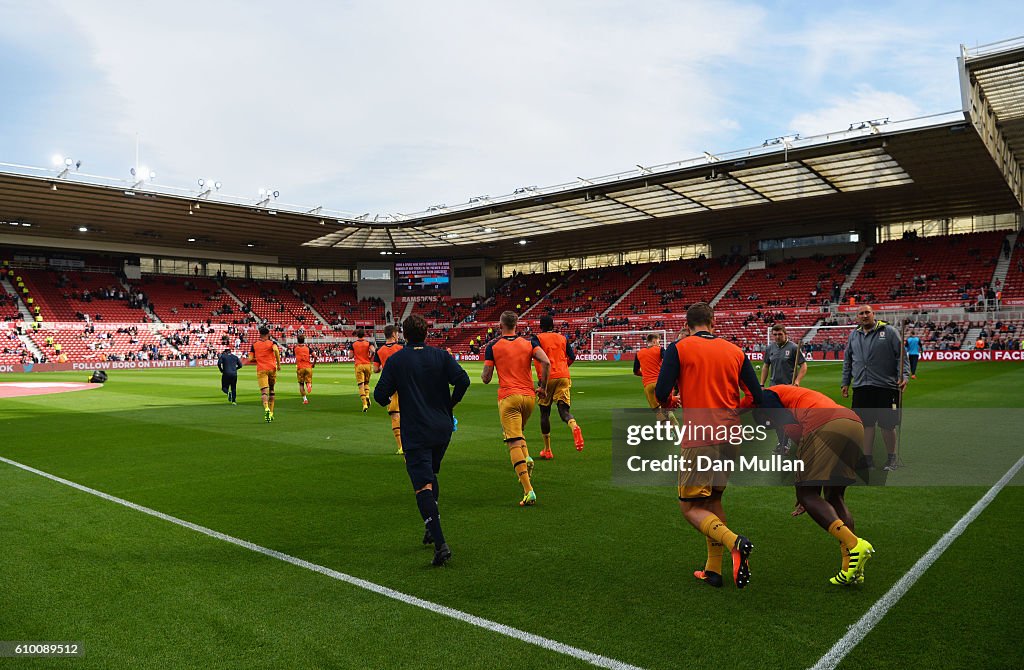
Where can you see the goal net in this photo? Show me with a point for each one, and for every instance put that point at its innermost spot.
(604, 342)
(818, 343)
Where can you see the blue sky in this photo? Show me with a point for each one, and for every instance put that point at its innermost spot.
(388, 107)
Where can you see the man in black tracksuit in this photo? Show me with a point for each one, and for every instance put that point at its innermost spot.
(229, 365)
(421, 376)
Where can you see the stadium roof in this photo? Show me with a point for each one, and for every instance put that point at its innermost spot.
(874, 172)
(992, 83)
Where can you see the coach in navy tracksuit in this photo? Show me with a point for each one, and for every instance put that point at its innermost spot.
(421, 376)
(229, 365)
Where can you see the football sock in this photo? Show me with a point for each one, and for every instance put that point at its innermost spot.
(713, 527)
(518, 456)
(398, 436)
(714, 562)
(547, 440)
(845, 536)
(572, 423)
(435, 489)
(846, 556)
(431, 518)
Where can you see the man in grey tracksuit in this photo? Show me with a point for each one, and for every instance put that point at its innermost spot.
(785, 363)
(875, 364)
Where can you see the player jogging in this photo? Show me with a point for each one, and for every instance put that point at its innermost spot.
(647, 365)
(829, 438)
(708, 372)
(304, 365)
(380, 358)
(561, 355)
(362, 352)
(512, 356)
(229, 365)
(267, 357)
(431, 384)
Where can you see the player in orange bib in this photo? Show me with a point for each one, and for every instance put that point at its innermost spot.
(362, 351)
(709, 371)
(647, 365)
(265, 354)
(380, 358)
(512, 356)
(829, 441)
(304, 365)
(561, 355)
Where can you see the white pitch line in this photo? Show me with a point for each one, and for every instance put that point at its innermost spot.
(493, 626)
(859, 630)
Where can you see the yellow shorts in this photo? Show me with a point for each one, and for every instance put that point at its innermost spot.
(363, 373)
(266, 378)
(830, 454)
(304, 375)
(515, 411)
(557, 391)
(393, 405)
(652, 399)
(694, 484)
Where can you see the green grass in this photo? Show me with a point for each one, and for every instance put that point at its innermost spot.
(600, 567)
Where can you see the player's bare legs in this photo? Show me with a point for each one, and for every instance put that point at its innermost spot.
(545, 432)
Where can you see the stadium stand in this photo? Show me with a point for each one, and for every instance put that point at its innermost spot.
(12, 350)
(339, 304)
(447, 309)
(74, 295)
(201, 316)
(519, 292)
(125, 343)
(198, 299)
(793, 283)
(1013, 287)
(591, 292)
(273, 302)
(674, 286)
(948, 268)
(9, 308)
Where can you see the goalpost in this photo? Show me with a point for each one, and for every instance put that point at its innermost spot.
(617, 341)
(827, 340)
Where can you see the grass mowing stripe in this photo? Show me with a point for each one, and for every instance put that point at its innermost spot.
(866, 623)
(493, 626)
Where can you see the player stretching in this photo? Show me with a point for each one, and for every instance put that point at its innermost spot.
(304, 365)
(362, 351)
(391, 346)
(829, 438)
(561, 355)
(267, 357)
(708, 372)
(512, 356)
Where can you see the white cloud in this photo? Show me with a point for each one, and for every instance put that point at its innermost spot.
(391, 107)
(862, 104)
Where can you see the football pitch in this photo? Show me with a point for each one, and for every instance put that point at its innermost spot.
(602, 568)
